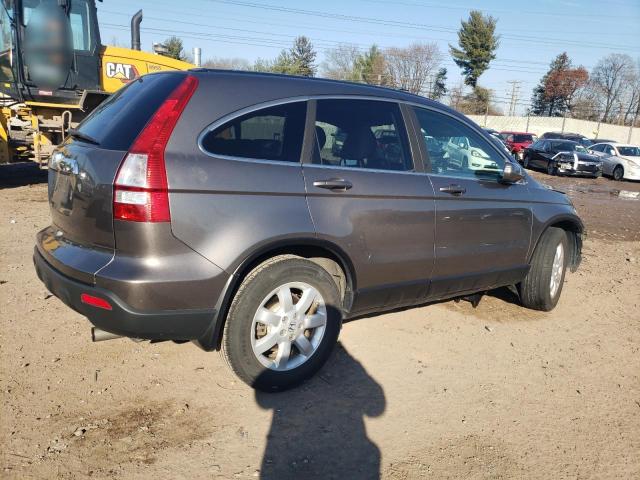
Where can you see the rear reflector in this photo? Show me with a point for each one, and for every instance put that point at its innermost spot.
(141, 193)
(95, 301)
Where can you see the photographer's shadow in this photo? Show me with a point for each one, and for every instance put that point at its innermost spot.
(317, 429)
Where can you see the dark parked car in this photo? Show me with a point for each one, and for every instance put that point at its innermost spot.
(208, 206)
(562, 157)
(574, 137)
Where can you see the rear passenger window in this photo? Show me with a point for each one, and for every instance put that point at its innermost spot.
(273, 133)
(361, 134)
(456, 149)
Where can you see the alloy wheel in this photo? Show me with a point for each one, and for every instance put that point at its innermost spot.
(288, 326)
(557, 269)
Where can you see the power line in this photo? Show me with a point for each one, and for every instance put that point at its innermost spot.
(261, 21)
(490, 11)
(517, 68)
(276, 43)
(412, 25)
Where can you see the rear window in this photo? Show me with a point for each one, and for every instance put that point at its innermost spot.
(522, 138)
(273, 133)
(629, 151)
(117, 121)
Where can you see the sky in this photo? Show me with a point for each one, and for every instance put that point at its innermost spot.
(531, 33)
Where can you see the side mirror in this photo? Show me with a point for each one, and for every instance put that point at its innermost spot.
(512, 173)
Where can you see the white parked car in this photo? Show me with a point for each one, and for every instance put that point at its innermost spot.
(466, 156)
(619, 160)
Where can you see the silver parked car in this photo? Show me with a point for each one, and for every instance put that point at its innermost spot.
(619, 160)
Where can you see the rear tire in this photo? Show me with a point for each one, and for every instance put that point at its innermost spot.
(618, 173)
(246, 334)
(541, 288)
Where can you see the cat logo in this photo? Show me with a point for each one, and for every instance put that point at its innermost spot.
(121, 71)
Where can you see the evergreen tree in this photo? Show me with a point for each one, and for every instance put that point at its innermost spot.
(478, 42)
(174, 48)
(298, 60)
(439, 85)
(303, 56)
(371, 66)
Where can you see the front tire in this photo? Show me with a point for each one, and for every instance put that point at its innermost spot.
(525, 161)
(551, 169)
(541, 288)
(283, 323)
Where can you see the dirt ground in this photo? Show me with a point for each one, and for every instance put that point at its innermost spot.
(443, 391)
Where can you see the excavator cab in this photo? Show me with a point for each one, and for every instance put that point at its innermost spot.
(50, 50)
(54, 71)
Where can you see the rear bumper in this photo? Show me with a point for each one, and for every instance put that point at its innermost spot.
(123, 319)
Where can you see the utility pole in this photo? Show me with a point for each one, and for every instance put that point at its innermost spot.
(515, 90)
(633, 122)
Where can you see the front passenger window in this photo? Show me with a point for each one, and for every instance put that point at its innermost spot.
(455, 148)
(361, 134)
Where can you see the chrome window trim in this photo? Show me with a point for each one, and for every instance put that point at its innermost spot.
(305, 98)
(360, 169)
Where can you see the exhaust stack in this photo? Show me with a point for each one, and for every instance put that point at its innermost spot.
(135, 30)
(98, 335)
(197, 56)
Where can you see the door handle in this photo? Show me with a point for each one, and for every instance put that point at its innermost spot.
(454, 189)
(333, 184)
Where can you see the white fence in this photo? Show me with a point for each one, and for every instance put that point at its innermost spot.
(540, 125)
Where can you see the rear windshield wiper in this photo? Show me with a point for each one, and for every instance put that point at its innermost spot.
(82, 136)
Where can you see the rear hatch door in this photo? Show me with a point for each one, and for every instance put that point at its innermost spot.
(82, 171)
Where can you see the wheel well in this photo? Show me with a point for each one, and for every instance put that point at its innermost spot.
(324, 257)
(574, 236)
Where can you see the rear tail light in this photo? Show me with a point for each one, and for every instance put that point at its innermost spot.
(141, 192)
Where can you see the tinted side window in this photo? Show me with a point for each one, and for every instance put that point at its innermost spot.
(598, 148)
(361, 134)
(456, 149)
(273, 133)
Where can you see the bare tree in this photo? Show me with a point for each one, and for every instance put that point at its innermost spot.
(456, 96)
(341, 63)
(410, 68)
(632, 101)
(610, 79)
(235, 63)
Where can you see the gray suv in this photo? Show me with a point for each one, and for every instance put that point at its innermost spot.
(214, 206)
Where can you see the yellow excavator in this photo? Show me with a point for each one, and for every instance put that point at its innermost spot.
(54, 70)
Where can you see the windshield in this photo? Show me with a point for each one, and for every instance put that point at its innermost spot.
(79, 19)
(579, 148)
(6, 43)
(629, 151)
